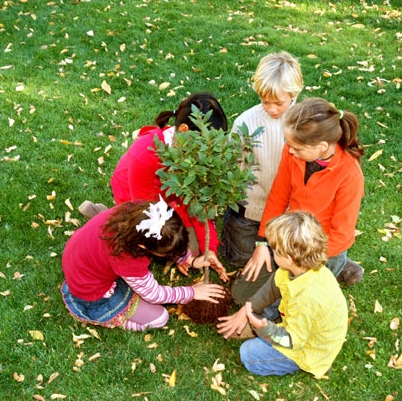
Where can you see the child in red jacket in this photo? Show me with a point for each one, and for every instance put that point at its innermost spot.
(135, 175)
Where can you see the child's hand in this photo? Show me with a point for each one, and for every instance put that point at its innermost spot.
(213, 261)
(233, 324)
(253, 267)
(208, 292)
(256, 322)
(217, 266)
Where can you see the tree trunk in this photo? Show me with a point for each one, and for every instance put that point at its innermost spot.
(206, 254)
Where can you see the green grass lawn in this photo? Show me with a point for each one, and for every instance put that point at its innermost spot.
(77, 78)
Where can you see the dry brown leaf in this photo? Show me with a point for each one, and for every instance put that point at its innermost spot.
(152, 368)
(38, 397)
(147, 338)
(153, 346)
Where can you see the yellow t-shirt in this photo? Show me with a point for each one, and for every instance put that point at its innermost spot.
(314, 313)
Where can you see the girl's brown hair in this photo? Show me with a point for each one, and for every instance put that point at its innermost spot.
(315, 120)
(121, 234)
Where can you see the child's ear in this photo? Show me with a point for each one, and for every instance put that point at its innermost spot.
(183, 128)
(289, 260)
(324, 146)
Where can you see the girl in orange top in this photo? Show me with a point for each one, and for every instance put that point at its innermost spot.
(319, 173)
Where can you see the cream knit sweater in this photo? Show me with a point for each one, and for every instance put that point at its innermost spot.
(267, 153)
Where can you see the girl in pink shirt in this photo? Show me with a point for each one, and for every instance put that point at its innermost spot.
(106, 267)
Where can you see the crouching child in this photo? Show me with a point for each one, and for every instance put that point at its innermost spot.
(313, 308)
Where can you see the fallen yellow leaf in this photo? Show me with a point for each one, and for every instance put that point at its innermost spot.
(57, 396)
(36, 335)
(52, 377)
(394, 324)
(375, 155)
(377, 307)
(190, 333)
(106, 87)
(172, 379)
(19, 377)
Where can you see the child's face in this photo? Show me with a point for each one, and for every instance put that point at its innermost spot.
(275, 107)
(308, 153)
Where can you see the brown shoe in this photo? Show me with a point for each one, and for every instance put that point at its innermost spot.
(351, 274)
(89, 209)
(248, 332)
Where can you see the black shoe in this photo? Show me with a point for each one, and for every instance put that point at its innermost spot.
(351, 274)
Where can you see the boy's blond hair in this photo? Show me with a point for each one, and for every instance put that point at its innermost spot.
(298, 235)
(278, 72)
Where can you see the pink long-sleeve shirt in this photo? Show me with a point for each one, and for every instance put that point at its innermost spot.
(91, 271)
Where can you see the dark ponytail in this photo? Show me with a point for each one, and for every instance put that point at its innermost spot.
(204, 102)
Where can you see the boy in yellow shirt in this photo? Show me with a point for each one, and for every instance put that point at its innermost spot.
(313, 308)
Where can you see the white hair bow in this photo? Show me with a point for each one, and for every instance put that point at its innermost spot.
(158, 215)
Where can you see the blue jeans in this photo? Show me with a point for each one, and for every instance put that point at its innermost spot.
(337, 263)
(102, 310)
(261, 358)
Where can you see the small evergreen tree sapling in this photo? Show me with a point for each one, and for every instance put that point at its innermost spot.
(208, 169)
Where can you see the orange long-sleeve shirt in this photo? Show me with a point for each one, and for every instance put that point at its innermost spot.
(332, 195)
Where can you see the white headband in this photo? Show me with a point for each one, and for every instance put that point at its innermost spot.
(158, 215)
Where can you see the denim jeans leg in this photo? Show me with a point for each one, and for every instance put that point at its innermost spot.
(271, 312)
(260, 358)
(336, 263)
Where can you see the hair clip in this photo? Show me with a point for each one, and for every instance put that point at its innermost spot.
(340, 114)
(158, 214)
